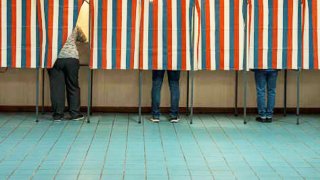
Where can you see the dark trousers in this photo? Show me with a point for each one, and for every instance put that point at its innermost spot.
(64, 76)
(157, 79)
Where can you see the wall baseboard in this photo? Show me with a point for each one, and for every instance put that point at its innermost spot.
(198, 110)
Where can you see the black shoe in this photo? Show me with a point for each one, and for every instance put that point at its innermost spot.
(155, 119)
(57, 117)
(269, 120)
(174, 119)
(77, 118)
(260, 119)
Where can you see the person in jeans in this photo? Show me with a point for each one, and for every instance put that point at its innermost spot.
(157, 79)
(64, 76)
(265, 80)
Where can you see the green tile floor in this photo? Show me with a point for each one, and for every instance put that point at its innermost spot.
(115, 146)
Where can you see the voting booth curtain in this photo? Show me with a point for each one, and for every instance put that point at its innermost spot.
(114, 34)
(166, 34)
(311, 35)
(19, 35)
(58, 19)
(222, 41)
(274, 34)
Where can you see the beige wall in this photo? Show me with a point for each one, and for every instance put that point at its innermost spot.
(120, 89)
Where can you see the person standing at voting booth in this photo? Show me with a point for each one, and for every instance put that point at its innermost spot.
(157, 79)
(64, 78)
(266, 80)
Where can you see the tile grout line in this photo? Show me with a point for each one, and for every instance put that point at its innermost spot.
(108, 145)
(19, 142)
(203, 155)
(212, 139)
(181, 149)
(163, 151)
(13, 130)
(84, 160)
(234, 144)
(44, 133)
(244, 136)
(43, 160)
(126, 149)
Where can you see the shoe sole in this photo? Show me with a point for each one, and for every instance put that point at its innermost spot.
(174, 121)
(78, 119)
(155, 120)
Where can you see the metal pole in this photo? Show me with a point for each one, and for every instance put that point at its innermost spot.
(140, 96)
(236, 95)
(188, 86)
(90, 72)
(89, 95)
(37, 95)
(298, 97)
(285, 93)
(245, 97)
(91, 86)
(191, 100)
(43, 89)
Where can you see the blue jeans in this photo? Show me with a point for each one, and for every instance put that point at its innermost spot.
(157, 79)
(266, 78)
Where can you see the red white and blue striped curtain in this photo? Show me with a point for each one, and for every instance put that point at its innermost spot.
(115, 34)
(275, 34)
(311, 34)
(19, 35)
(57, 19)
(165, 35)
(222, 35)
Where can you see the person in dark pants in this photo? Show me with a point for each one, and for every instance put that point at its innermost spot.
(64, 76)
(265, 80)
(157, 79)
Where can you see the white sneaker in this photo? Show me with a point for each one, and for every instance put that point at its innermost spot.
(155, 120)
(174, 120)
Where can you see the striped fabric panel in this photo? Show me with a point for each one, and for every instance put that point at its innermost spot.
(222, 35)
(58, 19)
(275, 34)
(19, 46)
(311, 35)
(165, 35)
(115, 34)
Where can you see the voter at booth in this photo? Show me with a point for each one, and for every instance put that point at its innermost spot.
(64, 79)
(157, 79)
(266, 80)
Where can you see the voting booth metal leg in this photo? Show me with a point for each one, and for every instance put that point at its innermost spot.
(140, 97)
(188, 93)
(37, 95)
(91, 87)
(191, 99)
(236, 94)
(43, 90)
(298, 97)
(89, 94)
(285, 93)
(245, 83)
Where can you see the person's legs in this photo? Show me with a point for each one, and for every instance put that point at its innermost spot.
(271, 86)
(57, 90)
(260, 78)
(157, 79)
(174, 77)
(71, 70)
